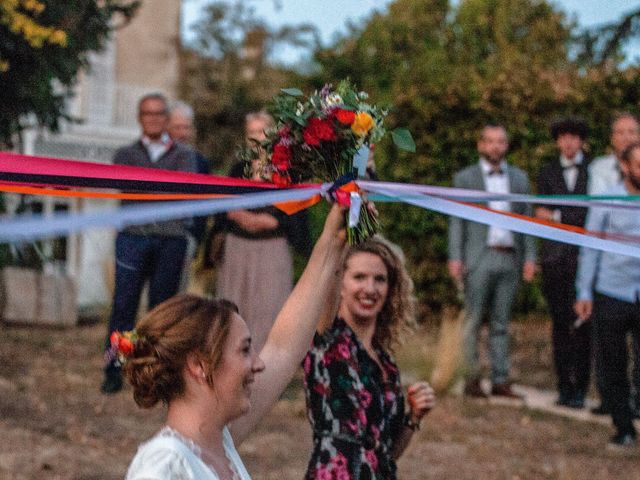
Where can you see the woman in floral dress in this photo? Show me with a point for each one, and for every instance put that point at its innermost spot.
(354, 396)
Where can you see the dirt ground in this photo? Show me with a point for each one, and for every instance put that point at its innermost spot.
(54, 423)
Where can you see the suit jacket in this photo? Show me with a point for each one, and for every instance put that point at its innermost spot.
(468, 240)
(551, 182)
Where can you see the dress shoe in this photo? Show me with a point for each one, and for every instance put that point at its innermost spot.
(474, 389)
(622, 442)
(112, 382)
(505, 390)
(577, 400)
(577, 403)
(601, 410)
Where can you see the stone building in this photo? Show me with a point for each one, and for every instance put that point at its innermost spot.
(141, 57)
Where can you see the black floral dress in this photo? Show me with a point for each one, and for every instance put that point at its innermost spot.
(355, 415)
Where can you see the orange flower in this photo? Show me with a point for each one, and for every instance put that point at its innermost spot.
(362, 124)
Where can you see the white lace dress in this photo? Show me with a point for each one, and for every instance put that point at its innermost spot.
(169, 455)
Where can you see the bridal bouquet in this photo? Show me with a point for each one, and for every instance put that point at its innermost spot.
(326, 137)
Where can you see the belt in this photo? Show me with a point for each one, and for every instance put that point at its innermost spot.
(500, 248)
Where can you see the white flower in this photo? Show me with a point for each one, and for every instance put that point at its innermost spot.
(299, 109)
(333, 99)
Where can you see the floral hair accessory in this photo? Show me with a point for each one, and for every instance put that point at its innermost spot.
(123, 344)
(320, 137)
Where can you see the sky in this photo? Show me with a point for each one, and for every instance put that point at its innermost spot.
(330, 16)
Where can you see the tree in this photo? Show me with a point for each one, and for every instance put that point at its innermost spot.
(43, 46)
(603, 44)
(449, 70)
(227, 72)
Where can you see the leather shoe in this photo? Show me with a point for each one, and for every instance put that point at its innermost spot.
(622, 442)
(474, 389)
(600, 410)
(505, 390)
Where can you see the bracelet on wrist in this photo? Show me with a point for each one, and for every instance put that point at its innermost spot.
(409, 423)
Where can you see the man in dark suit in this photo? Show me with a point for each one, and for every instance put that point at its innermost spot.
(489, 261)
(559, 262)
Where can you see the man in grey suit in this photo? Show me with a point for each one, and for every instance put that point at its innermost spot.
(488, 261)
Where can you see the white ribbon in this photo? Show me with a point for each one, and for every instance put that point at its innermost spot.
(480, 196)
(31, 227)
(499, 220)
(354, 209)
(360, 160)
(27, 228)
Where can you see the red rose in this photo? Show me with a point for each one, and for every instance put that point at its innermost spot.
(285, 131)
(345, 117)
(318, 129)
(281, 157)
(114, 339)
(342, 198)
(126, 346)
(282, 180)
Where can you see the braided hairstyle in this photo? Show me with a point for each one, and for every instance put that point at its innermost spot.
(179, 326)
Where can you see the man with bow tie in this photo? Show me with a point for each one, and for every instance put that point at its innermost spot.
(559, 262)
(488, 261)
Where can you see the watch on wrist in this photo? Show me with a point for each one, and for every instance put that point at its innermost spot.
(410, 423)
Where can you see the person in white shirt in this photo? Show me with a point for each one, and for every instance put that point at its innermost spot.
(197, 357)
(604, 173)
(565, 175)
(490, 261)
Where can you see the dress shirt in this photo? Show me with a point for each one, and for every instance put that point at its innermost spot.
(497, 183)
(157, 148)
(614, 275)
(570, 169)
(604, 172)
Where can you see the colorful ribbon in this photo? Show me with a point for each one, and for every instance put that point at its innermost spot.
(47, 176)
(513, 223)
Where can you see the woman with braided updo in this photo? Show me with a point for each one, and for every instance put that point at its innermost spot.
(196, 356)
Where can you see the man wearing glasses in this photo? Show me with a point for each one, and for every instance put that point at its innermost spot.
(155, 251)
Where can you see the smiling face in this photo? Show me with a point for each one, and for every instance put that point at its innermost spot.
(153, 117)
(365, 285)
(624, 132)
(235, 374)
(493, 144)
(569, 145)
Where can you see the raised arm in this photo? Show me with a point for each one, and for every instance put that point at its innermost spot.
(295, 325)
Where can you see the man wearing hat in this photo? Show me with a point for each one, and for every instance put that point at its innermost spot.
(559, 262)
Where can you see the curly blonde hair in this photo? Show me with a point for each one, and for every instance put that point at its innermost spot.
(398, 312)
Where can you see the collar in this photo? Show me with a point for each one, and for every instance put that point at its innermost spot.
(487, 167)
(566, 163)
(164, 140)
